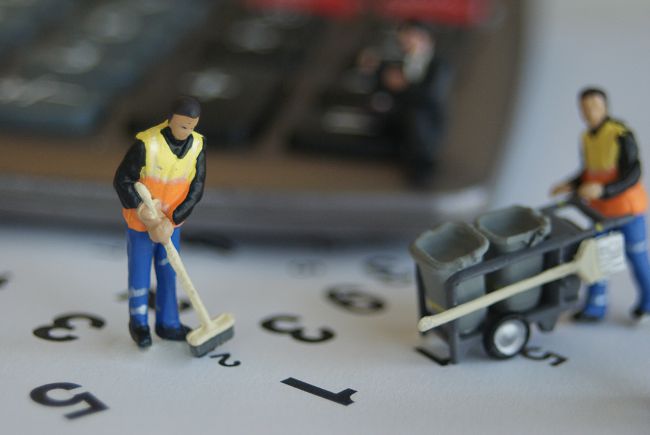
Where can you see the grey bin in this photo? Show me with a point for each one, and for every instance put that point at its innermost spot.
(443, 251)
(510, 230)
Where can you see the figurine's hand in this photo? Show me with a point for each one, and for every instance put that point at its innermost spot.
(148, 217)
(394, 79)
(590, 191)
(368, 61)
(161, 232)
(561, 189)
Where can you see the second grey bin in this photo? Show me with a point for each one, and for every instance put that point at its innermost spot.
(509, 230)
(443, 251)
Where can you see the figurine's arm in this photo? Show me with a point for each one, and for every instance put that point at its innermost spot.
(127, 174)
(195, 193)
(629, 167)
(432, 91)
(576, 181)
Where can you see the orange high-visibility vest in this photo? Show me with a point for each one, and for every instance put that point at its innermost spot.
(601, 153)
(167, 176)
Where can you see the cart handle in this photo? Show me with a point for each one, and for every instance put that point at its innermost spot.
(580, 204)
(601, 223)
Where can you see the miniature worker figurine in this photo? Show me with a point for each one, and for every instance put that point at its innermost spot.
(420, 86)
(610, 182)
(169, 159)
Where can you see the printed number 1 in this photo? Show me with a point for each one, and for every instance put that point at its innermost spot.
(343, 397)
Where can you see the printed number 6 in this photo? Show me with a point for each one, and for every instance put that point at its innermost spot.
(351, 298)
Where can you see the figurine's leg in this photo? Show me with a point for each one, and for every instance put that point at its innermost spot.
(636, 248)
(140, 253)
(168, 324)
(422, 137)
(596, 304)
(422, 141)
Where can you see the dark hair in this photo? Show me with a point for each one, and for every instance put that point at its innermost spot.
(590, 92)
(413, 24)
(186, 106)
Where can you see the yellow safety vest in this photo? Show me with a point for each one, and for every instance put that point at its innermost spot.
(167, 176)
(601, 154)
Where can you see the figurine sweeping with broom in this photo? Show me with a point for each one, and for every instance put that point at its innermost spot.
(159, 182)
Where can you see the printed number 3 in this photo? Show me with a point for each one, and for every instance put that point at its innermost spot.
(297, 332)
(63, 322)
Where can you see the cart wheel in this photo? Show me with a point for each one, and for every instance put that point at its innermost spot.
(506, 337)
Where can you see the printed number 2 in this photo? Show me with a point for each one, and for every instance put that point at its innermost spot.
(63, 322)
(297, 332)
(223, 360)
(39, 395)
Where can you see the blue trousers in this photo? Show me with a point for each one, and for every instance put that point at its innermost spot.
(141, 252)
(636, 250)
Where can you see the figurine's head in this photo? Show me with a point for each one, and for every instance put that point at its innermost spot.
(184, 117)
(415, 37)
(593, 106)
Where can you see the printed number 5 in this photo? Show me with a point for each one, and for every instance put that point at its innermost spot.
(39, 395)
(536, 354)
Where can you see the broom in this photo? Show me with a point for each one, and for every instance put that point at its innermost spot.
(596, 258)
(212, 332)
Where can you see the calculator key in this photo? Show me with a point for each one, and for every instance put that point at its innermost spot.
(47, 105)
(343, 131)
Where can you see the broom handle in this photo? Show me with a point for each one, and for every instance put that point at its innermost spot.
(176, 262)
(454, 313)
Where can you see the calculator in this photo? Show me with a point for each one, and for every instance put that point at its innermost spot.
(294, 130)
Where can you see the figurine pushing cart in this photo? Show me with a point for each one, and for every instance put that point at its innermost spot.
(515, 267)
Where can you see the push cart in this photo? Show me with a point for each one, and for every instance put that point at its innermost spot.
(456, 263)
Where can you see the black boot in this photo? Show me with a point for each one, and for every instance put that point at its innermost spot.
(584, 317)
(140, 334)
(169, 333)
(640, 315)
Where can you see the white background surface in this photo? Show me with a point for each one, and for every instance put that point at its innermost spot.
(603, 387)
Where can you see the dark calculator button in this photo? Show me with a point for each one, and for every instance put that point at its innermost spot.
(343, 131)
(23, 20)
(47, 105)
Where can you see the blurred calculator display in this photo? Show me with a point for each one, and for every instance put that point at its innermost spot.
(295, 120)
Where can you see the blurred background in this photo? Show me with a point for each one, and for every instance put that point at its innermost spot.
(334, 118)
